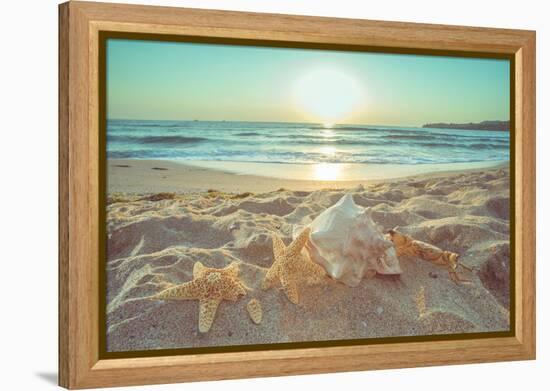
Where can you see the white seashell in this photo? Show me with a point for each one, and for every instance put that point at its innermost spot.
(347, 243)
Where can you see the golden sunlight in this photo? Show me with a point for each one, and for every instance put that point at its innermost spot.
(327, 133)
(327, 96)
(326, 171)
(330, 151)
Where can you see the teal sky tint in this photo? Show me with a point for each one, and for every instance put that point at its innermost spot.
(186, 81)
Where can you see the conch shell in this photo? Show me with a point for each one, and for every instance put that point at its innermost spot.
(347, 243)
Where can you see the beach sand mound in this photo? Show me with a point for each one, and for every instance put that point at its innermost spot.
(154, 241)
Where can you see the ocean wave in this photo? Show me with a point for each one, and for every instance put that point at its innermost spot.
(487, 146)
(297, 157)
(246, 134)
(406, 136)
(156, 139)
(460, 146)
(301, 143)
(357, 128)
(130, 154)
(313, 141)
(442, 136)
(147, 126)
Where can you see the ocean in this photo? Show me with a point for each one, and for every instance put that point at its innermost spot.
(301, 143)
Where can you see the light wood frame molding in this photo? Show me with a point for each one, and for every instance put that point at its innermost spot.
(79, 25)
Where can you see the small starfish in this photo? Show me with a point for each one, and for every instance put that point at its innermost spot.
(291, 267)
(209, 286)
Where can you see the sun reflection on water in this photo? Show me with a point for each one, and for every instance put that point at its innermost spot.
(327, 171)
(329, 151)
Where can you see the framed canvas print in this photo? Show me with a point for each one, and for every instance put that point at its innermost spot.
(257, 195)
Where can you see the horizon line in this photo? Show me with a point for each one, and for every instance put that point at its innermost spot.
(301, 122)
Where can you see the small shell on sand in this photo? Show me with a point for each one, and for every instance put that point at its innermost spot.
(254, 309)
(406, 245)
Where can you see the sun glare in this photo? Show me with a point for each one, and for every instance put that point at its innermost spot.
(326, 171)
(327, 133)
(327, 96)
(329, 151)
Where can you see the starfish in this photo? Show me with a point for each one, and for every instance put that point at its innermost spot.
(292, 268)
(209, 286)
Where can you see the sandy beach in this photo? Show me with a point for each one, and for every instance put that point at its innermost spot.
(218, 217)
(154, 176)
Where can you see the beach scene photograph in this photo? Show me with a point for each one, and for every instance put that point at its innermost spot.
(270, 195)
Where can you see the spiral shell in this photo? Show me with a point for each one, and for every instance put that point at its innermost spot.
(348, 244)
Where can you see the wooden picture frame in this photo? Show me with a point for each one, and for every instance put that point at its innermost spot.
(80, 26)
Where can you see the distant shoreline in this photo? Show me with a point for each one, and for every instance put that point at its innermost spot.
(501, 126)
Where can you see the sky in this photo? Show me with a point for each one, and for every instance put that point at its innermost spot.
(188, 81)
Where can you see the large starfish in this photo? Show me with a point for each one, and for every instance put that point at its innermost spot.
(291, 267)
(209, 286)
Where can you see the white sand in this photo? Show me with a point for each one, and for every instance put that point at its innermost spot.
(154, 176)
(153, 242)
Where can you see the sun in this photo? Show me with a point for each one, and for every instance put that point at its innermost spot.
(327, 96)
